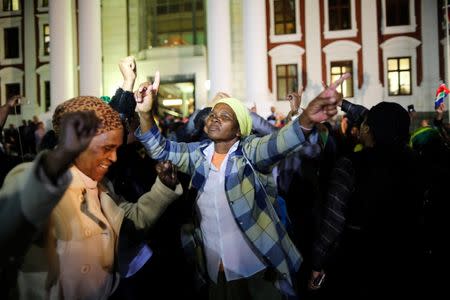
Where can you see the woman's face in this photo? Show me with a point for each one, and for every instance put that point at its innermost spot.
(100, 155)
(221, 124)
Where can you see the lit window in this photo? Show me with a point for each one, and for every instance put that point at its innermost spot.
(11, 5)
(397, 12)
(287, 79)
(176, 22)
(11, 42)
(284, 16)
(399, 76)
(46, 39)
(338, 68)
(340, 13)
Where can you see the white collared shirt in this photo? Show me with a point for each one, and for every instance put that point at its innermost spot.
(223, 240)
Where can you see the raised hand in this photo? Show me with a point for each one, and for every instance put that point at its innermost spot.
(323, 106)
(441, 108)
(144, 95)
(295, 100)
(77, 131)
(331, 90)
(167, 173)
(127, 66)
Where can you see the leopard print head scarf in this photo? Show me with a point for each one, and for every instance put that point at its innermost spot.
(109, 118)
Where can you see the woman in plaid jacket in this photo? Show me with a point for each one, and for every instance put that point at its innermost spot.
(248, 252)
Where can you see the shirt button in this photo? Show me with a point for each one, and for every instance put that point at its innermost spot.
(87, 232)
(85, 269)
(81, 198)
(284, 275)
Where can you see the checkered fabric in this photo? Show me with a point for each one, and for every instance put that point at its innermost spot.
(252, 209)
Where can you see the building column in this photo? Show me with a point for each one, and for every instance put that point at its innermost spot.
(430, 55)
(255, 52)
(90, 45)
(219, 46)
(313, 49)
(63, 79)
(371, 90)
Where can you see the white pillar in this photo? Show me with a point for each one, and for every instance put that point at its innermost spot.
(255, 51)
(63, 77)
(430, 56)
(313, 51)
(219, 46)
(30, 107)
(371, 90)
(90, 45)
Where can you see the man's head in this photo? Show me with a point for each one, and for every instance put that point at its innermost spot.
(101, 153)
(388, 124)
(229, 119)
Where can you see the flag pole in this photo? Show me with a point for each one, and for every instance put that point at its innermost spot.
(447, 47)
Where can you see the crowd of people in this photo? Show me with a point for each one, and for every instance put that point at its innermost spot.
(302, 207)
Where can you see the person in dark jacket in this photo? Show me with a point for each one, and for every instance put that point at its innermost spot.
(368, 240)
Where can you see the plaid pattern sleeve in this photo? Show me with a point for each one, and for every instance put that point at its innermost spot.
(158, 147)
(272, 148)
(333, 221)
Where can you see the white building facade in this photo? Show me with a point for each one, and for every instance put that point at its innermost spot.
(255, 50)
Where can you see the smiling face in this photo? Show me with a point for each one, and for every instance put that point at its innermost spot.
(100, 155)
(222, 125)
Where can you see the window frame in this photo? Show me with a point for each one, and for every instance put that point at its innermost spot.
(42, 19)
(398, 70)
(4, 13)
(343, 50)
(44, 42)
(334, 34)
(43, 76)
(9, 23)
(401, 46)
(286, 54)
(17, 108)
(287, 79)
(400, 28)
(194, 14)
(10, 75)
(279, 38)
(41, 7)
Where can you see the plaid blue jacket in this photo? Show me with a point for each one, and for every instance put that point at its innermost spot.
(252, 207)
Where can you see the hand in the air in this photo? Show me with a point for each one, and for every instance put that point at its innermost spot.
(324, 106)
(144, 95)
(77, 131)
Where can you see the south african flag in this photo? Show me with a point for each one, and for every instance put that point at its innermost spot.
(441, 92)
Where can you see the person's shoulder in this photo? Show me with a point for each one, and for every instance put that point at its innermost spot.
(20, 168)
(16, 172)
